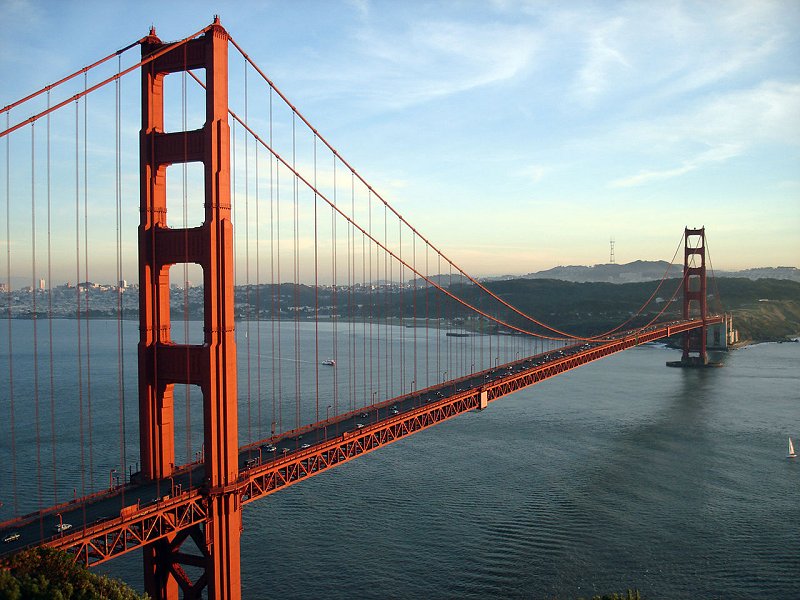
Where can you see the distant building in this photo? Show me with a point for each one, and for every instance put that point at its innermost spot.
(123, 284)
(42, 285)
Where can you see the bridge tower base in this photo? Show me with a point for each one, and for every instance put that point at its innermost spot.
(211, 365)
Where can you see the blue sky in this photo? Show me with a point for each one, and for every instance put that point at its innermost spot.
(516, 135)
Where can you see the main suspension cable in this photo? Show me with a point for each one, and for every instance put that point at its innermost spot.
(271, 84)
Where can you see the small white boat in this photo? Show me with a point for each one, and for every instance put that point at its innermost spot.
(329, 362)
(791, 450)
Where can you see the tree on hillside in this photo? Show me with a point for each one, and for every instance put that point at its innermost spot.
(47, 574)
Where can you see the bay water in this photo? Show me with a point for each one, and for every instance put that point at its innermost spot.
(621, 474)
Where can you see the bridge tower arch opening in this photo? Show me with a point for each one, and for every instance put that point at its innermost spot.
(210, 365)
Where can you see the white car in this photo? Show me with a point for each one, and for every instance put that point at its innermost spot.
(12, 537)
(62, 527)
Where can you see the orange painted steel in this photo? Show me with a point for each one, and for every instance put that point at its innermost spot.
(136, 527)
(163, 521)
(211, 365)
(694, 296)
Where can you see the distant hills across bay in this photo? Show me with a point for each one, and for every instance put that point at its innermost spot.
(642, 270)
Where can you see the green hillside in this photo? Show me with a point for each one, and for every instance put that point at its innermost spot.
(763, 309)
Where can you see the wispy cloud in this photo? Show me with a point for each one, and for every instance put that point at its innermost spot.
(425, 60)
(604, 60)
(635, 52)
(726, 127)
(712, 155)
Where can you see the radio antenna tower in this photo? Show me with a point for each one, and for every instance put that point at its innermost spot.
(612, 251)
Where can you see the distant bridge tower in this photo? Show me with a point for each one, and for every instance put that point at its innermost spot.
(212, 364)
(611, 259)
(694, 296)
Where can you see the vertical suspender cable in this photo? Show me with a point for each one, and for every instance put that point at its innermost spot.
(439, 298)
(451, 372)
(427, 289)
(280, 300)
(334, 314)
(296, 275)
(378, 306)
(11, 420)
(402, 311)
(274, 315)
(258, 302)
(247, 265)
(363, 311)
(120, 289)
(392, 329)
(247, 262)
(351, 279)
(86, 279)
(353, 298)
(78, 295)
(371, 300)
(34, 290)
(351, 363)
(316, 289)
(387, 304)
(50, 318)
(414, 304)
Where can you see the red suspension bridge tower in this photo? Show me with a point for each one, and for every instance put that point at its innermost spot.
(694, 300)
(212, 364)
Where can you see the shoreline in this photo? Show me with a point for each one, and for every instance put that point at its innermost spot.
(790, 338)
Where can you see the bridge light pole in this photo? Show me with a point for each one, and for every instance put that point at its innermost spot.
(327, 418)
(444, 376)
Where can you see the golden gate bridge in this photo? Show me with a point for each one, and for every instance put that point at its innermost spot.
(354, 329)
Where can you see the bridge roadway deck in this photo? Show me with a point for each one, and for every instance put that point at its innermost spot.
(117, 521)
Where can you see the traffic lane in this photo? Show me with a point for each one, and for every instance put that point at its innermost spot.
(102, 509)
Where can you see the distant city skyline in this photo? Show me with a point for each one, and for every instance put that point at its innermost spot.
(517, 136)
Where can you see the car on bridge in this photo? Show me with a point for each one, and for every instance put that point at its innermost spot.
(11, 537)
(62, 527)
(268, 447)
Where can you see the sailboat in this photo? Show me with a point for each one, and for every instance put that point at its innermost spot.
(791, 450)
